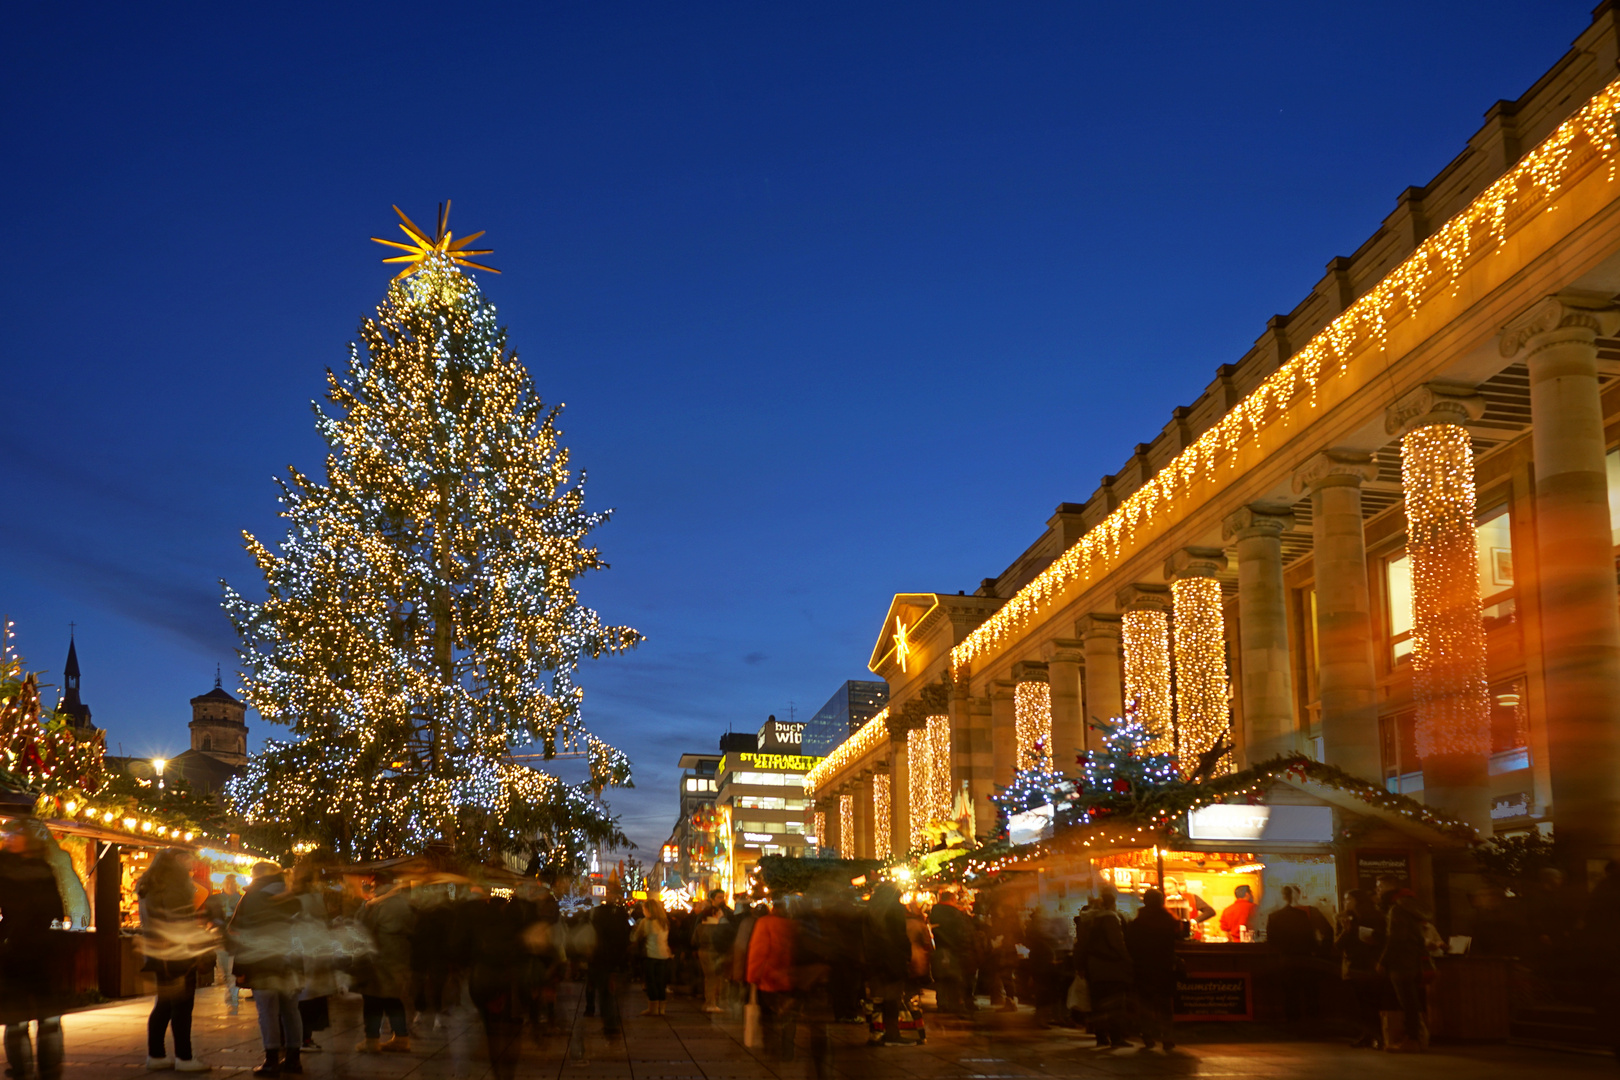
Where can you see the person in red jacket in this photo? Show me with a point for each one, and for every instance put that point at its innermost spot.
(771, 974)
(1239, 914)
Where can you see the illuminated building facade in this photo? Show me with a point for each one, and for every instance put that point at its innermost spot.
(694, 843)
(760, 799)
(1385, 537)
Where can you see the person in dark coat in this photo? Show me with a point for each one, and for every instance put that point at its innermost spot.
(1291, 934)
(1602, 926)
(611, 923)
(1151, 938)
(29, 903)
(888, 955)
(1358, 942)
(1405, 956)
(1100, 947)
(385, 978)
(490, 934)
(954, 962)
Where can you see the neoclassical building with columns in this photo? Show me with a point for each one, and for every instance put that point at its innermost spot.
(1385, 537)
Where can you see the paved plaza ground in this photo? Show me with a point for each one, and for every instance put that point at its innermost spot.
(108, 1043)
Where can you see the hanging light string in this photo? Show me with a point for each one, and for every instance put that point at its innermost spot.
(1145, 642)
(846, 826)
(1200, 654)
(871, 735)
(1576, 148)
(1032, 712)
(880, 815)
(1448, 635)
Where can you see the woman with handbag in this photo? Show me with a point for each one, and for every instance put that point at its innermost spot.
(173, 938)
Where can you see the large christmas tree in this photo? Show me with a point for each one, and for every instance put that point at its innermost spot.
(422, 623)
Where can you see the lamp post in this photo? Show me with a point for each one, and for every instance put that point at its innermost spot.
(157, 764)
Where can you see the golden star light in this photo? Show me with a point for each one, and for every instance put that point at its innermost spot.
(443, 244)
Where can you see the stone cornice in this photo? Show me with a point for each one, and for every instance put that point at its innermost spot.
(1063, 651)
(1143, 597)
(1097, 625)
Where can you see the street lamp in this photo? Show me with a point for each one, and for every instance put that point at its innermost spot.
(158, 763)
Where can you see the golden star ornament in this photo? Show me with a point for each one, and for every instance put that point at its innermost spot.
(443, 244)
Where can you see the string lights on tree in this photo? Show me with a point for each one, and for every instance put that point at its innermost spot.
(1448, 634)
(1202, 720)
(422, 623)
(1145, 642)
(1032, 722)
(1585, 142)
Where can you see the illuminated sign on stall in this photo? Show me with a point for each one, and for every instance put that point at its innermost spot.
(1283, 823)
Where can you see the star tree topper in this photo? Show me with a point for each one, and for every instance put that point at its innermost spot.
(443, 245)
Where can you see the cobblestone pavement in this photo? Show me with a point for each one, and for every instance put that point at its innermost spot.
(108, 1044)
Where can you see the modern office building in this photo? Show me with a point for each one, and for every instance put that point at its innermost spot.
(760, 800)
(856, 702)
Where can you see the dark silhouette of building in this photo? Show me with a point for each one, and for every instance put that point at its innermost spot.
(218, 741)
(856, 702)
(72, 705)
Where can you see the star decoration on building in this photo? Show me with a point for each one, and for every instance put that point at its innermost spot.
(902, 646)
(443, 243)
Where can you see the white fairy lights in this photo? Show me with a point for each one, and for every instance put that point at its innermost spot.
(928, 767)
(1145, 642)
(872, 734)
(1580, 143)
(1032, 723)
(1448, 636)
(1200, 655)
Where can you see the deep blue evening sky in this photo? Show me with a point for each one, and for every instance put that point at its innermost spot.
(843, 299)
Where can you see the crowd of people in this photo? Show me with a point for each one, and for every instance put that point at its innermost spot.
(414, 951)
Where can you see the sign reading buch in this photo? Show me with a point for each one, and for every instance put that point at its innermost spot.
(1215, 995)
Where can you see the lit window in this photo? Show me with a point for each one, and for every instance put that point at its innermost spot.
(1398, 584)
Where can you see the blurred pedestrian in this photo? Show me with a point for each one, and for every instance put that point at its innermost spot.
(1405, 958)
(771, 966)
(612, 928)
(954, 964)
(887, 947)
(1359, 941)
(173, 939)
(715, 935)
(384, 980)
(1101, 950)
(219, 909)
(29, 990)
(261, 933)
(651, 938)
(1151, 939)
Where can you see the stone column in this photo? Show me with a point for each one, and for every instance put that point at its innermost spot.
(899, 796)
(1345, 678)
(829, 840)
(861, 843)
(1448, 635)
(1003, 735)
(1576, 570)
(1145, 638)
(1032, 714)
(1063, 659)
(981, 770)
(1267, 682)
(1105, 699)
(1203, 712)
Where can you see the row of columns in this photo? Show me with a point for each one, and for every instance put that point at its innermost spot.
(1574, 576)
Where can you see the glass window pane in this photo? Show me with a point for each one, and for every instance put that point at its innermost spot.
(1612, 464)
(1494, 539)
(1398, 573)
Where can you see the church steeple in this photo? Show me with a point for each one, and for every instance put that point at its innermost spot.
(72, 705)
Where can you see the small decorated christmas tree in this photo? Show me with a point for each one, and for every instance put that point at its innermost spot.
(1117, 776)
(42, 754)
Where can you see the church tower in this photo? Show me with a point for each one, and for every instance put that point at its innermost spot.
(71, 705)
(218, 725)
